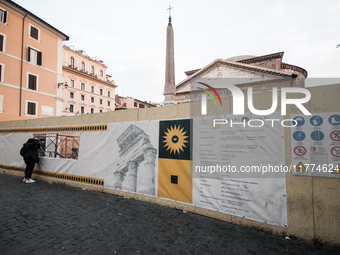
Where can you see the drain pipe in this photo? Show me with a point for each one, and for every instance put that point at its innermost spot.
(22, 60)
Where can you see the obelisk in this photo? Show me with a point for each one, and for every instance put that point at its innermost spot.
(170, 87)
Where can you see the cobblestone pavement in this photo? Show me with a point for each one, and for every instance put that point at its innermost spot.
(44, 218)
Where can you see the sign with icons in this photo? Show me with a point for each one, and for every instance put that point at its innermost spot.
(315, 141)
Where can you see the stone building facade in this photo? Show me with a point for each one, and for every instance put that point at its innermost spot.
(249, 71)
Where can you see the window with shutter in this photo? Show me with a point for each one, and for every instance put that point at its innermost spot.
(3, 16)
(1, 73)
(34, 56)
(34, 33)
(71, 108)
(32, 82)
(72, 62)
(31, 108)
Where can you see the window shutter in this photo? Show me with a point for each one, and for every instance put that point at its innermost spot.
(31, 108)
(34, 33)
(1, 43)
(39, 58)
(29, 54)
(5, 17)
(32, 82)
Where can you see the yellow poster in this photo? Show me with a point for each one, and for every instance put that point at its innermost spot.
(174, 163)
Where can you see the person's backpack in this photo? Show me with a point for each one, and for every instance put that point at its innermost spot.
(22, 150)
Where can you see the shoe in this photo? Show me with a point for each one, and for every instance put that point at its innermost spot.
(24, 180)
(29, 180)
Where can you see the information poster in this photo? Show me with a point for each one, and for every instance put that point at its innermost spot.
(239, 169)
(315, 144)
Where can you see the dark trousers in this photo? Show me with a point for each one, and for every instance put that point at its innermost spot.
(29, 167)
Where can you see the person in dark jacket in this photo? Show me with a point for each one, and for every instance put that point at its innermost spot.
(30, 157)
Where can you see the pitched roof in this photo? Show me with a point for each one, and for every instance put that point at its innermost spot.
(235, 65)
(66, 37)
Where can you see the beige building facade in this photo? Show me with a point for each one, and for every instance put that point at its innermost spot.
(130, 103)
(86, 87)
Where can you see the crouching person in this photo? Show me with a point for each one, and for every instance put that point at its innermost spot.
(30, 155)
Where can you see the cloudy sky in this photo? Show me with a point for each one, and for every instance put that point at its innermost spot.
(130, 35)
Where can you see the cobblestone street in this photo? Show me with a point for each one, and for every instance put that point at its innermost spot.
(44, 218)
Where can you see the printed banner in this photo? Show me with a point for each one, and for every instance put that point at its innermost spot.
(239, 169)
(10, 153)
(174, 181)
(156, 158)
(132, 149)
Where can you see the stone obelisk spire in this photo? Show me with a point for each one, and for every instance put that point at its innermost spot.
(170, 87)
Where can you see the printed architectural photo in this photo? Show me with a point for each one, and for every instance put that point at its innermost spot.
(134, 154)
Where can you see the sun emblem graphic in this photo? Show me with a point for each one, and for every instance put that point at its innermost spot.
(175, 139)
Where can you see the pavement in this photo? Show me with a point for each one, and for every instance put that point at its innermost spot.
(45, 218)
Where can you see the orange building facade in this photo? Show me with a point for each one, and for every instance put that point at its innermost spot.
(86, 87)
(31, 55)
(130, 103)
